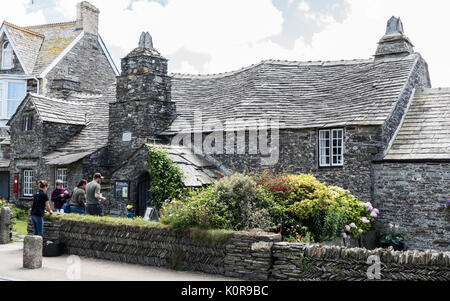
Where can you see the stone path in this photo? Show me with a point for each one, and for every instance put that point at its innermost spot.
(69, 268)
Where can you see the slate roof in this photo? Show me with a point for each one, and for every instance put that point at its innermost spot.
(425, 133)
(299, 94)
(40, 45)
(92, 137)
(60, 111)
(196, 170)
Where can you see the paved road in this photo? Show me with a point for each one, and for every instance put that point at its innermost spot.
(64, 268)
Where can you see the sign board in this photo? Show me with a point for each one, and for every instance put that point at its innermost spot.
(122, 189)
(151, 214)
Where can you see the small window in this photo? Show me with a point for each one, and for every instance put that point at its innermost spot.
(28, 123)
(27, 183)
(61, 174)
(6, 56)
(331, 148)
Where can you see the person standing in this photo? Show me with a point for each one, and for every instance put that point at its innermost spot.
(93, 196)
(59, 196)
(78, 202)
(40, 202)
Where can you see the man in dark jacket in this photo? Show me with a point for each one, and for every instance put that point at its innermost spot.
(59, 196)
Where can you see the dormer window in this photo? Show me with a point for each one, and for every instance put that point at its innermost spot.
(27, 123)
(7, 56)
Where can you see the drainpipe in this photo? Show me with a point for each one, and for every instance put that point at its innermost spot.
(37, 81)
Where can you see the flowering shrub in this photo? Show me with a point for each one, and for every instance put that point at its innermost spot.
(235, 203)
(326, 211)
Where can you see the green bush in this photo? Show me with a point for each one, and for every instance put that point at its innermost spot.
(236, 203)
(166, 180)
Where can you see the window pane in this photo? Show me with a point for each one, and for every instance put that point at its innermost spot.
(27, 182)
(324, 148)
(338, 147)
(16, 93)
(61, 174)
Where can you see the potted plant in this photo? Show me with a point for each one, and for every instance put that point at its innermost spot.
(392, 239)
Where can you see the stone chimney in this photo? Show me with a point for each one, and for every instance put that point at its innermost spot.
(143, 108)
(87, 17)
(394, 43)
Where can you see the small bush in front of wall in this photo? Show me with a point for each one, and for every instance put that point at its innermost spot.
(313, 211)
(166, 180)
(235, 203)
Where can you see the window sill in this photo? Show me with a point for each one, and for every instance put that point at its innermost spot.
(331, 167)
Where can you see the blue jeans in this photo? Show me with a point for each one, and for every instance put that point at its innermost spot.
(76, 210)
(38, 225)
(94, 210)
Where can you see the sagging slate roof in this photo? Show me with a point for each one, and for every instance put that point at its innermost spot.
(60, 111)
(299, 94)
(425, 132)
(92, 137)
(40, 45)
(197, 171)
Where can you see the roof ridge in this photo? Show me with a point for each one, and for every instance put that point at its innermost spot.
(61, 100)
(274, 62)
(23, 29)
(52, 24)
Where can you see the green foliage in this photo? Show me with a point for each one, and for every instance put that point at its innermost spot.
(166, 180)
(176, 261)
(392, 238)
(235, 203)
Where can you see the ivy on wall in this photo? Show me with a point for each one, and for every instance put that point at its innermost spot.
(166, 179)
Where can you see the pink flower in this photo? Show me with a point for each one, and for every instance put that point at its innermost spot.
(365, 220)
(373, 214)
(376, 211)
(344, 235)
(353, 225)
(347, 228)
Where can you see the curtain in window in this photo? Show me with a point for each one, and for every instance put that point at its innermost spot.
(6, 56)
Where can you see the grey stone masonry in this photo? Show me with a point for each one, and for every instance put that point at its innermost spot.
(251, 255)
(394, 43)
(144, 108)
(294, 261)
(5, 226)
(408, 194)
(32, 252)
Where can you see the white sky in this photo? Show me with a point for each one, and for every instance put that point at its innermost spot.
(211, 36)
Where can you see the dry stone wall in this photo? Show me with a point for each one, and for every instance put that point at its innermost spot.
(315, 262)
(246, 255)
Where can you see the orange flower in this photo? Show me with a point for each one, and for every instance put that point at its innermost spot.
(299, 236)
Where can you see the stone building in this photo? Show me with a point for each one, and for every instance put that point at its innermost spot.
(372, 126)
(52, 60)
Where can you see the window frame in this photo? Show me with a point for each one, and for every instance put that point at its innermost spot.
(333, 150)
(27, 183)
(4, 96)
(27, 123)
(8, 60)
(64, 178)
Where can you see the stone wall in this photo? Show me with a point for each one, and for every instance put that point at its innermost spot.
(5, 226)
(315, 262)
(298, 153)
(408, 194)
(87, 65)
(236, 254)
(247, 255)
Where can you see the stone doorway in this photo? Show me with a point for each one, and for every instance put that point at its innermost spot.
(143, 186)
(4, 185)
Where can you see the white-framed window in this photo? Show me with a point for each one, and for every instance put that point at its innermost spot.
(61, 174)
(7, 56)
(12, 92)
(27, 123)
(28, 182)
(331, 147)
